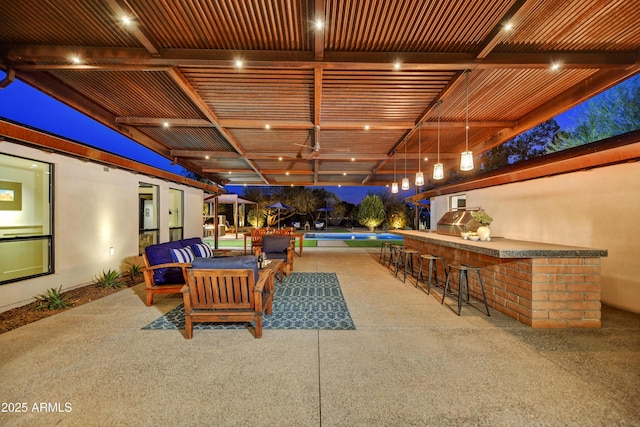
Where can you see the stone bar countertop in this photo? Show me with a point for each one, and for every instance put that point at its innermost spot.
(504, 248)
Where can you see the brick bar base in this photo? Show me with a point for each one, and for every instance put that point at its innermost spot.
(539, 292)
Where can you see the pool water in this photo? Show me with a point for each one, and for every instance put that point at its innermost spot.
(352, 236)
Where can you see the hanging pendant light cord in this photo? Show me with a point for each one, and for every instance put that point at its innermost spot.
(405, 158)
(467, 120)
(419, 147)
(439, 104)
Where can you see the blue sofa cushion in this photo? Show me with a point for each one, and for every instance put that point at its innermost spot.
(276, 244)
(190, 241)
(232, 263)
(161, 254)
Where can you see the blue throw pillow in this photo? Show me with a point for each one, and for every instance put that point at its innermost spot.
(182, 255)
(161, 254)
(203, 251)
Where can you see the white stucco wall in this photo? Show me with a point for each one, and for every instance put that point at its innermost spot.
(596, 208)
(95, 208)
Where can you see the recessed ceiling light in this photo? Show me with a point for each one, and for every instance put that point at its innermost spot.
(165, 124)
(353, 159)
(75, 59)
(426, 159)
(508, 26)
(267, 126)
(555, 66)
(206, 157)
(230, 172)
(396, 65)
(287, 173)
(280, 158)
(366, 127)
(339, 185)
(319, 24)
(344, 173)
(238, 63)
(126, 20)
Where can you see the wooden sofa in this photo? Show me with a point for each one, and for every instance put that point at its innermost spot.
(162, 275)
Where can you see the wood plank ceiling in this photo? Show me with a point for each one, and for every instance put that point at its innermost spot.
(253, 92)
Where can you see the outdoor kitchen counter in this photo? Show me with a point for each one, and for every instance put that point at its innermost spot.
(504, 248)
(542, 285)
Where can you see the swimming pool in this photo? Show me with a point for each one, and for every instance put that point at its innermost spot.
(352, 236)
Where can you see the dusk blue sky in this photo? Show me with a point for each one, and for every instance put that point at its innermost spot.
(21, 103)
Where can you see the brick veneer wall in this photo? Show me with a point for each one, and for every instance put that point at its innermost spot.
(539, 292)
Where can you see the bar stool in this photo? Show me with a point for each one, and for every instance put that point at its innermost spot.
(394, 252)
(385, 250)
(433, 270)
(464, 283)
(405, 256)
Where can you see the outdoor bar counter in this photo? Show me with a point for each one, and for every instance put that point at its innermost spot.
(541, 285)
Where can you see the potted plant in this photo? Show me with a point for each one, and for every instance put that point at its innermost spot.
(484, 219)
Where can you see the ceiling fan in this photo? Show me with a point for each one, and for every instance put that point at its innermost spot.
(316, 145)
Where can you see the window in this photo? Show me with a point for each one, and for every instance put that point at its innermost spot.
(148, 216)
(458, 201)
(176, 217)
(26, 235)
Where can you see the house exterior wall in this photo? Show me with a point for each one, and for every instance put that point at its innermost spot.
(95, 208)
(595, 208)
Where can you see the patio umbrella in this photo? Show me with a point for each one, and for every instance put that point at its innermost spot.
(278, 206)
(326, 211)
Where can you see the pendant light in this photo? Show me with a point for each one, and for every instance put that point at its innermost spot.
(419, 174)
(405, 180)
(394, 185)
(466, 159)
(438, 168)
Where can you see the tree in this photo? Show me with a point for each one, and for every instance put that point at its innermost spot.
(371, 212)
(611, 113)
(528, 145)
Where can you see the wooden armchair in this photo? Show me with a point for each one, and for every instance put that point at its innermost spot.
(280, 247)
(172, 286)
(231, 295)
(256, 238)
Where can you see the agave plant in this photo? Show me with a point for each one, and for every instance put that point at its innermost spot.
(134, 271)
(109, 279)
(53, 300)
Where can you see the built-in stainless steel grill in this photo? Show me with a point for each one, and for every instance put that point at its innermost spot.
(455, 222)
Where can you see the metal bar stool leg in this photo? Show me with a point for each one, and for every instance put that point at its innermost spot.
(484, 297)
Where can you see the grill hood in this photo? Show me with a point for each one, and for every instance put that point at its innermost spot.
(455, 222)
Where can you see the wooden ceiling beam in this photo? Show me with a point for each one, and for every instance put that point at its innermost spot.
(579, 93)
(23, 57)
(191, 93)
(43, 140)
(152, 121)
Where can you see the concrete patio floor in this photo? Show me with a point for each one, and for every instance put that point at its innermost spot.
(410, 361)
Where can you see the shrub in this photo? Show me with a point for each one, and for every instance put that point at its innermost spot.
(109, 279)
(134, 271)
(53, 300)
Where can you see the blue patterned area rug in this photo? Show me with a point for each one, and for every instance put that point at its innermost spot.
(301, 301)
